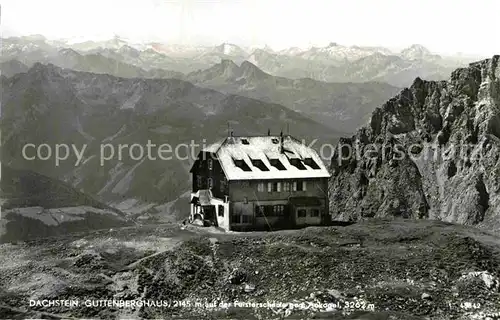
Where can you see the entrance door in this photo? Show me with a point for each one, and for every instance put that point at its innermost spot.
(210, 214)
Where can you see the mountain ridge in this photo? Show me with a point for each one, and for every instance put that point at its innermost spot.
(64, 106)
(459, 117)
(331, 63)
(343, 106)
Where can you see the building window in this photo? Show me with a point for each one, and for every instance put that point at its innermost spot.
(273, 186)
(286, 186)
(222, 185)
(200, 163)
(210, 183)
(198, 181)
(279, 210)
(260, 187)
(221, 211)
(246, 219)
(270, 211)
(235, 218)
(301, 213)
(245, 200)
(314, 213)
(210, 164)
(299, 186)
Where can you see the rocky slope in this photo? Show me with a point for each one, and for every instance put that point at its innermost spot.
(35, 206)
(374, 270)
(342, 106)
(433, 151)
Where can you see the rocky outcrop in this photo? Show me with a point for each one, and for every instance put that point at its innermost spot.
(433, 151)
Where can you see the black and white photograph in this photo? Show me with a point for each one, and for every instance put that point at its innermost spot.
(250, 159)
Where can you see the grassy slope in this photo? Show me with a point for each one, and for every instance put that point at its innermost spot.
(25, 188)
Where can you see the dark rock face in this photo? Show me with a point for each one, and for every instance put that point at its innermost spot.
(433, 151)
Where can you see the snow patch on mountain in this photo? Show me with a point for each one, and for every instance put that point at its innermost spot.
(131, 102)
(415, 52)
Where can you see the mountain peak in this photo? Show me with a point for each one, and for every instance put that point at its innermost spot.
(250, 71)
(226, 69)
(69, 52)
(127, 49)
(229, 49)
(415, 51)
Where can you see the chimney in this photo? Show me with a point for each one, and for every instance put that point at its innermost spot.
(282, 149)
(268, 132)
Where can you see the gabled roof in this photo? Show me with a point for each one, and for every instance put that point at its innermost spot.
(261, 157)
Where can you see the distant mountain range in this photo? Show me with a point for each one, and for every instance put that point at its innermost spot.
(342, 106)
(119, 93)
(354, 64)
(61, 106)
(333, 63)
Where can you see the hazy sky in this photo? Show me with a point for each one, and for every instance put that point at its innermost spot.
(444, 26)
